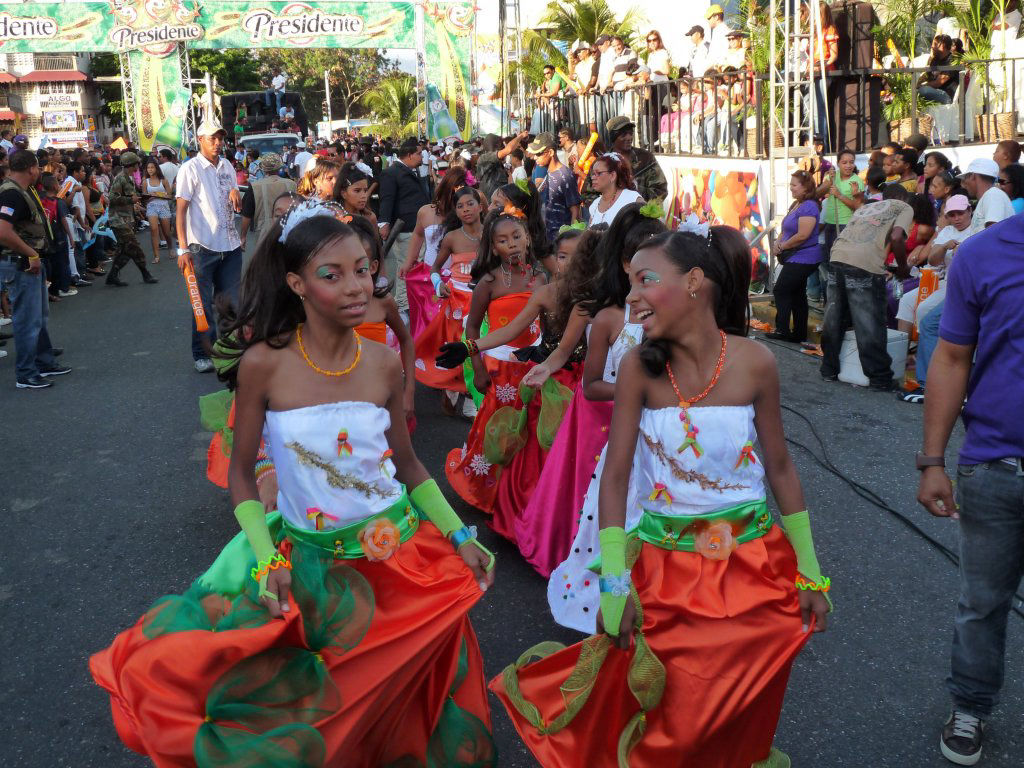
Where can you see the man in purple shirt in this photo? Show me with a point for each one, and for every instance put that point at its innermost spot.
(979, 354)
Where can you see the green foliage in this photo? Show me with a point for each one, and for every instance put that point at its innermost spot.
(393, 107)
(570, 20)
(234, 68)
(352, 73)
(901, 24)
(107, 65)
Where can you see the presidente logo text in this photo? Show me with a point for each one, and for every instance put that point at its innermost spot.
(264, 25)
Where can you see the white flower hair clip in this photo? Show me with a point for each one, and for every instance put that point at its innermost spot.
(692, 224)
(614, 156)
(300, 212)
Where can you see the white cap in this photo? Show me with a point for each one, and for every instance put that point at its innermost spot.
(982, 166)
(210, 127)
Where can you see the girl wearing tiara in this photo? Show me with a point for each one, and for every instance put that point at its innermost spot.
(335, 630)
(701, 602)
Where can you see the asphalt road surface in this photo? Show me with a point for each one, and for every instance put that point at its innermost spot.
(107, 508)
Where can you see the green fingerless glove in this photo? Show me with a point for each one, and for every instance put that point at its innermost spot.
(428, 499)
(252, 518)
(798, 529)
(614, 583)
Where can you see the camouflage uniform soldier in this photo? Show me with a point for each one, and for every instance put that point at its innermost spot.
(647, 174)
(124, 198)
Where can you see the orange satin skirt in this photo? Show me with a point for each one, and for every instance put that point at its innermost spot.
(417, 660)
(469, 472)
(726, 632)
(447, 326)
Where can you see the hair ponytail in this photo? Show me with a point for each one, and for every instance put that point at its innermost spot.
(724, 257)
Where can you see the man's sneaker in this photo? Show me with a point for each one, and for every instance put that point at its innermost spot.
(54, 370)
(960, 742)
(204, 365)
(68, 292)
(5, 321)
(34, 382)
(3, 353)
(81, 282)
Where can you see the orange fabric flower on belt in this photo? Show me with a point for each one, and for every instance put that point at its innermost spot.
(380, 539)
(715, 542)
(513, 211)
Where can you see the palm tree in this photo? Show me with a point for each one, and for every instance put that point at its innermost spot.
(393, 105)
(567, 21)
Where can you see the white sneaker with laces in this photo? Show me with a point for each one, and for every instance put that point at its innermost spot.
(5, 321)
(203, 365)
(960, 742)
(68, 292)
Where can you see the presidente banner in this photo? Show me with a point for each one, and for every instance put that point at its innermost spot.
(156, 26)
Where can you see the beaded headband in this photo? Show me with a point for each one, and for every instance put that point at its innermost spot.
(308, 209)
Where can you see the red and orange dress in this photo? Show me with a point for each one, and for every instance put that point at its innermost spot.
(473, 470)
(446, 326)
(714, 584)
(376, 663)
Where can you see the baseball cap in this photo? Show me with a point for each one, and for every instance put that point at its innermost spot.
(694, 29)
(957, 203)
(542, 143)
(601, 39)
(714, 10)
(210, 127)
(129, 158)
(21, 138)
(983, 166)
(618, 124)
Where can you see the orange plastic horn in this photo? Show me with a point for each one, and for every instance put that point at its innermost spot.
(195, 299)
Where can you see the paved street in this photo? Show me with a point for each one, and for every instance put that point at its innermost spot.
(108, 508)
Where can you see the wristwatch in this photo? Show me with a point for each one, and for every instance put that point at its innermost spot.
(184, 252)
(924, 462)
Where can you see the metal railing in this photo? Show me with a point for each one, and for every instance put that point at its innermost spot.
(725, 114)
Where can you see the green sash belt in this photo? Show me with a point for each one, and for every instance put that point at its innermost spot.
(748, 521)
(347, 543)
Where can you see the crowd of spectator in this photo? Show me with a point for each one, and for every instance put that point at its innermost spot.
(873, 247)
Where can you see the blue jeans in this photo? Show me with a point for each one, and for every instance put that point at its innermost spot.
(934, 94)
(991, 498)
(856, 297)
(217, 272)
(927, 341)
(29, 310)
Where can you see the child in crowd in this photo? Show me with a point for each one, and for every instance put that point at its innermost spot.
(450, 276)
(506, 276)
(382, 323)
(706, 599)
(423, 249)
(873, 181)
(546, 404)
(297, 645)
(352, 190)
(596, 293)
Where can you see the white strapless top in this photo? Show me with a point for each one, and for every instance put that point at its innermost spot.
(333, 463)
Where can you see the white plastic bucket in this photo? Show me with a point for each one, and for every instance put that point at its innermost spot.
(849, 359)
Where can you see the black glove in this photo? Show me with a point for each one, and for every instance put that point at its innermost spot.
(531, 354)
(453, 354)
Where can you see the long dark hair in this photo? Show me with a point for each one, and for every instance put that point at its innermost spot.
(609, 285)
(348, 175)
(529, 203)
(444, 195)
(452, 222)
(581, 271)
(724, 257)
(486, 259)
(268, 310)
(370, 237)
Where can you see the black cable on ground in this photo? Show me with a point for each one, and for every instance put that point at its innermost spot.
(873, 498)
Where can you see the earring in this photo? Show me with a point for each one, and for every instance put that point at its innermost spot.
(303, 298)
(693, 295)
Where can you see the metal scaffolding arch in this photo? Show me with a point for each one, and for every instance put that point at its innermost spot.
(511, 50)
(128, 88)
(792, 106)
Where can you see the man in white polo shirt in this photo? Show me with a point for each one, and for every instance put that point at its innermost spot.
(207, 200)
(993, 203)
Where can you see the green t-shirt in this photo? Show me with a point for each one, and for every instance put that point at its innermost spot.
(836, 211)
